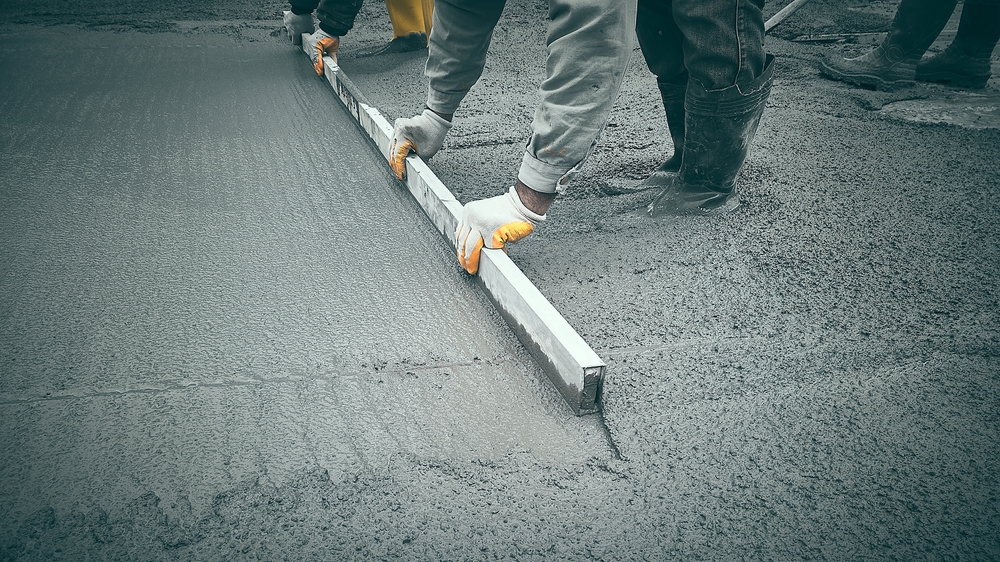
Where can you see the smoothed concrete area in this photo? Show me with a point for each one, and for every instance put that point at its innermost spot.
(210, 275)
(969, 110)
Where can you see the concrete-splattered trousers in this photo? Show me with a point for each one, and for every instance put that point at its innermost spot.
(719, 43)
(589, 43)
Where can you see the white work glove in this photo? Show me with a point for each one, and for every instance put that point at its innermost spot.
(423, 134)
(297, 24)
(492, 223)
(319, 44)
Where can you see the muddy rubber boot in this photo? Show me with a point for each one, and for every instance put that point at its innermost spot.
(719, 127)
(404, 44)
(673, 105)
(966, 62)
(893, 64)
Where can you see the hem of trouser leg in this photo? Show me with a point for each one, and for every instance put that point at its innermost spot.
(444, 102)
(542, 177)
(333, 31)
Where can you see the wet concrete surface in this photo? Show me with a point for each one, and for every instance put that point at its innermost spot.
(812, 377)
(203, 285)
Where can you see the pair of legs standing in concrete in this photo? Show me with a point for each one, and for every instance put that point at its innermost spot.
(897, 61)
(714, 78)
(710, 66)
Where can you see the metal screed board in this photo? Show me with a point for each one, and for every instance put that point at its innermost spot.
(570, 363)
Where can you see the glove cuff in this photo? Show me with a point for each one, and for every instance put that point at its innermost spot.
(529, 215)
(440, 123)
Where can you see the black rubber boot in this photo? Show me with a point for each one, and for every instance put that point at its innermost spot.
(404, 44)
(893, 63)
(966, 62)
(719, 128)
(673, 104)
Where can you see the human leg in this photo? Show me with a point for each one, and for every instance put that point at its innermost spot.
(409, 31)
(729, 82)
(966, 62)
(589, 44)
(662, 47)
(720, 127)
(893, 63)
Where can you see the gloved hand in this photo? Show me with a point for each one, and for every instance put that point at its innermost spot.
(297, 24)
(321, 43)
(423, 134)
(492, 223)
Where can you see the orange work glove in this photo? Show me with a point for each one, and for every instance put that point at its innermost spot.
(492, 223)
(321, 43)
(423, 134)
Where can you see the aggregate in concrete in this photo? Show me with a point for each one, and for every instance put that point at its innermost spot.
(812, 377)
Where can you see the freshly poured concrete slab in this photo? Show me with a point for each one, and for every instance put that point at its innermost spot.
(191, 296)
(574, 368)
(812, 377)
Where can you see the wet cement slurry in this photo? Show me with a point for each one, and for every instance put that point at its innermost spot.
(210, 277)
(813, 377)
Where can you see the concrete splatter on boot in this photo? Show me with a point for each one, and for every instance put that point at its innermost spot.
(720, 126)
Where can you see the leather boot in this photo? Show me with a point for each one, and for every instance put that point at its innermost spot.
(719, 128)
(893, 63)
(966, 62)
(673, 104)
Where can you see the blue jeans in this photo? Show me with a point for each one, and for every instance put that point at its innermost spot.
(720, 43)
(589, 45)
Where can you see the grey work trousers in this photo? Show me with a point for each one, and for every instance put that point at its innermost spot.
(589, 43)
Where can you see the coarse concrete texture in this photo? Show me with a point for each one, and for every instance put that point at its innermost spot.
(812, 377)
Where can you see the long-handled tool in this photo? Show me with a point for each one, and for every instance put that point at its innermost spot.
(783, 13)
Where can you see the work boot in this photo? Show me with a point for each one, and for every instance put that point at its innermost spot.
(411, 24)
(719, 127)
(404, 44)
(893, 63)
(673, 104)
(966, 62)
